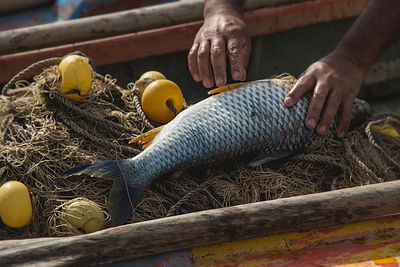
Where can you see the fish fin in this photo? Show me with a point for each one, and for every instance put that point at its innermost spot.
(264, 158)
(225, 88)
(123, 196)
(121, 203)
(146, 138)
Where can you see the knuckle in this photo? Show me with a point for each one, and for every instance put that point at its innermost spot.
(302, 86)
(315, 109)
(217, 51)
(202, 52)
(234, 52)
(319, 94)
(234, 48)
(193, 49)
(327, 118)
(192, 52)
(314, 112)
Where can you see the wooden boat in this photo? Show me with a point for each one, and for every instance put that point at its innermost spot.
(24, 13)
(357, 226)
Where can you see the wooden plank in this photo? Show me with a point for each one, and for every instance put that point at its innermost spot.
(368, 243)
(10, 6)
(210, 227)
(112, 24)
(180, 37)
(372, 243)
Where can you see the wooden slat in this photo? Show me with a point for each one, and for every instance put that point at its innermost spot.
(367, 243)
(180, 37)
(209, 227)
(14, 5)
(101, 26)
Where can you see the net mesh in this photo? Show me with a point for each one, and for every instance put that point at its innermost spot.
(43, 134)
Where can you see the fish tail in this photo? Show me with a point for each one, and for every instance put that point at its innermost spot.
(123, 196)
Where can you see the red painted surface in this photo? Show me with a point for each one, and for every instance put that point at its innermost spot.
(180, 37)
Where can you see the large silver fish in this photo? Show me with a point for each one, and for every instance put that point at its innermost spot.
(248, 119)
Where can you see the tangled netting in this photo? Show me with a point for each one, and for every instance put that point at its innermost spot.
(43, 134)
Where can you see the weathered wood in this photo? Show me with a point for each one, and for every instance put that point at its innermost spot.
(209, 227)
(89, 28)
(14, 5)
(180, 37)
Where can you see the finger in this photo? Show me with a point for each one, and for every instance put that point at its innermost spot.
(218, 61)
(344, 117)
(330, 110)
(317, 102)
(245, 58)
(246, 53)
(234, 51)
(203, 58)
(302, 86)
(192, 62)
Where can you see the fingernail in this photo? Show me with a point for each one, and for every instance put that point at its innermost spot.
(310, 124)
(341, 134)
(219, 81)
(196, 77)
(322, 130)
(207, 83)
(236, 75)
(288, 101)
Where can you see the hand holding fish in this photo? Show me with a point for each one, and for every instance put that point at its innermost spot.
(336, 78)
(335, 82)
(224, 33)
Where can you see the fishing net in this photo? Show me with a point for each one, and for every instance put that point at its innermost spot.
(43, 134)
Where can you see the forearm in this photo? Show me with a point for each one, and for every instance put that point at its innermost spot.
(231, 7)
(373, 32)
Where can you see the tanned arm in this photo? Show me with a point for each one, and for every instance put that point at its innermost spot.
(336, 79)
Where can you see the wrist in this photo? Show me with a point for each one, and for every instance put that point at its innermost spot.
(223, 7)
(352, 58)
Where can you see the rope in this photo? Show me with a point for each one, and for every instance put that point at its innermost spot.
(162, 188)
(35, 68)
(172, 108)
(312, 158)
(364, 167)
(90, 136)
(109, 125)
(374, 140)
(185, 199)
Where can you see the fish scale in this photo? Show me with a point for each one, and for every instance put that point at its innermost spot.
(247, 119)
(250, 118)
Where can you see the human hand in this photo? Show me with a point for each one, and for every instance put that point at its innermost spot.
(221, 35)
(335, 81)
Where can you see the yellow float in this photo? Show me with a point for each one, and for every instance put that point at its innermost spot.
(15, 204)
(81, 214)
(147, 78)
(156, 97)
(76, 76)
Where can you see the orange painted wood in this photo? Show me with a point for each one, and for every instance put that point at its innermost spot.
(180, 37)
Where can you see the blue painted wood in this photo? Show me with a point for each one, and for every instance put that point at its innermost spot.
(62, 10)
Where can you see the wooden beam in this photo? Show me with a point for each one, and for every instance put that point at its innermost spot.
(112, 24)
(14, 5)
(208, 227)
(180, 37)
